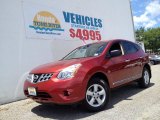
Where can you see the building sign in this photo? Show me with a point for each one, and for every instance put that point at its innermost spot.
(45, 22)
(83, 27)
(42, 22)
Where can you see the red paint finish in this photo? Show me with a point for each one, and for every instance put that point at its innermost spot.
(117, 71)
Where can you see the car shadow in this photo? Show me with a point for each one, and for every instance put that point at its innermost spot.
(72, 112)
(124, 93)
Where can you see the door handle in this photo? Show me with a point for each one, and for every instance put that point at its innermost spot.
(127, 60)
(140, 57)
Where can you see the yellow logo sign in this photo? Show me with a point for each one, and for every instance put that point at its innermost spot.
(46, 21)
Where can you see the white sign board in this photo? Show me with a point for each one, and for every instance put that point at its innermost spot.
(44, 22)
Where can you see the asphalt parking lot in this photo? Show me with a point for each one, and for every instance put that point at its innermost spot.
(127, 103)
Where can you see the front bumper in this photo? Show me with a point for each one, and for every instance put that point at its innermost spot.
(57, 91)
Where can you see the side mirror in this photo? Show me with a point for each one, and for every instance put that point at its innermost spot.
(115, 53)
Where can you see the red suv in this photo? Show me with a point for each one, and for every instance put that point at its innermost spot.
(88, 73)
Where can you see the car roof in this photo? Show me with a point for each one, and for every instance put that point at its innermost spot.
(109, 41)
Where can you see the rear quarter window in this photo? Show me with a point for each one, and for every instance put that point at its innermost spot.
(129, 47)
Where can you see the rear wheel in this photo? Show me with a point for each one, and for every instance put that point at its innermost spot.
(97, 95)
(152, 62)
(145, 80)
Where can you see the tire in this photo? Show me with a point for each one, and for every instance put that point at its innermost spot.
(43, 103)
(145, 80)
(97, 95)
(152, 62)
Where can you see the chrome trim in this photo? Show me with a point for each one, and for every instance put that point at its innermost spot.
(129, 79)
(41, 77)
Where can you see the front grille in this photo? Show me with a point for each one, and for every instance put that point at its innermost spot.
(39, 94)
(41, 77)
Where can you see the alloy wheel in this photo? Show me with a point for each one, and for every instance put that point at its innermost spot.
(146, 77)
(95, 95)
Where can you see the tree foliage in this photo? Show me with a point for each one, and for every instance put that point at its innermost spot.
(150, 37)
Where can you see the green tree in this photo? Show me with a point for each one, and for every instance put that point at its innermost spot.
(150, 37)
(140, 34)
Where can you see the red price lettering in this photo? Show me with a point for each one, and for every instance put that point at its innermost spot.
(79, 34)
(85, 34)
(72, 33)
(98, 35)
(92, 35)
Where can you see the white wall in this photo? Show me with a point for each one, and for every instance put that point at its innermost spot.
(18, 54)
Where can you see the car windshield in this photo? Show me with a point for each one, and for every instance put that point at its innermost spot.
(89, 50)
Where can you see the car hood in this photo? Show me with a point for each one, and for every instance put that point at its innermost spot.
(59, 65)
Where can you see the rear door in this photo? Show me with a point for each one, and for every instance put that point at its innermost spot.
(133, 59)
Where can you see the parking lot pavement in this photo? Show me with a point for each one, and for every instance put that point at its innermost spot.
(127, 103)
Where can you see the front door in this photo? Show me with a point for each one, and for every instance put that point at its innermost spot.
(116, 67)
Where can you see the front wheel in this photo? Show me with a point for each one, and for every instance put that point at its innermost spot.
(97, 95)
(145, 80)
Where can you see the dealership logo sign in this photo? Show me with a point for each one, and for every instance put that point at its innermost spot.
(46, 23)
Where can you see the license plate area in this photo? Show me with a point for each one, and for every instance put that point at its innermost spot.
(32, 91)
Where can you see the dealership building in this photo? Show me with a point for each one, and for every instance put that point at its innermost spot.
(35, 32)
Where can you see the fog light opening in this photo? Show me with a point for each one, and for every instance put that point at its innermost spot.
(66, 93)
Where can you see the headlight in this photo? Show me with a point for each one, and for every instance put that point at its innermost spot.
(30, 77)
(68, 72)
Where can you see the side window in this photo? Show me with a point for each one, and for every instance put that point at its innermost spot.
(129, 47)
(138, 46)
(115, 47)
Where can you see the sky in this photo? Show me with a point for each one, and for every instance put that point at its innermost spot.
(146, 13)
